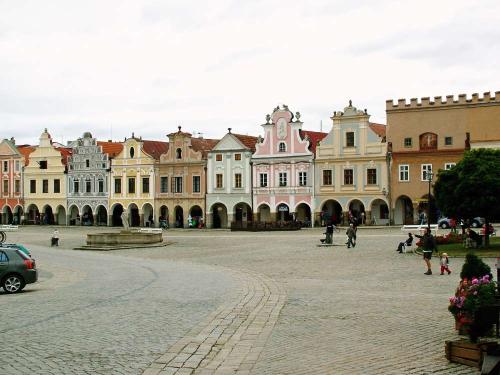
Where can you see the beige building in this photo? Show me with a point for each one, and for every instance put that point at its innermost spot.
(133, 178)
(181, 183)
(427, 135)
(351, 176)
(45, 183)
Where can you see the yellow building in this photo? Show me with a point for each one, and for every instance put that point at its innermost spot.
(45, 183)
(133, 173)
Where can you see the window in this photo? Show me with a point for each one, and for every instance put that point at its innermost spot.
(177, 188)
(163, 184)
(32, 186)
(282, 147)
(3, 257)
(426, 169)
(5, 167)
(237, 180)
(218, 157)
(302, 178)
(349, 139)
(43, 164)
(282, 179)
(218, 181)
(45, 186)
(76, 186)
(57, 186)
(87, 163)
(6, 186)
(404, 172)
(118, 185)
(178, 153)
(237, 156)
(263, 179)
(131, 152)
(100, 185)
(131, 185)
(448, 141)
(17, 186)
(448, 166)
(348, 177)
(371, 175)
(408, 142)
(327, 177)
(196, 184)
(88, 186)
(17, 165)
(145, 185)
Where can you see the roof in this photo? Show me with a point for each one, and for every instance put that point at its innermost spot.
(65, 153)
(26, 150)
(378, 129)
(203, 145)
(155, 148)
(314, 138)
(111, 148)
(247, 140)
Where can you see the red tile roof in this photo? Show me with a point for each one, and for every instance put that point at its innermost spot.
(203, 145)
(247, 140)
(26, 150)
(111, 148)
(314, 138)
(65, 153)
(155, 148)
(378, 129)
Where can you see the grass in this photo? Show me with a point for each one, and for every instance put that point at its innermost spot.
(458, 249)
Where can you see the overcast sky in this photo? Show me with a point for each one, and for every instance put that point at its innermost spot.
(115, 67)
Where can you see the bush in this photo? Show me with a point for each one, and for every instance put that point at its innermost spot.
(474, 267)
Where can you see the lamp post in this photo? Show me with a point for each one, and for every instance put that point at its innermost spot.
(429, 179)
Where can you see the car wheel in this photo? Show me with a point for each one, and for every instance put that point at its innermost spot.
(13, 284)
(475, 224)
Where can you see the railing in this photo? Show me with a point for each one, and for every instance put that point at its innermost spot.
(257, 226)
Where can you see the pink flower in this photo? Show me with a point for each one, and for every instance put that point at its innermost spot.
(475, 281)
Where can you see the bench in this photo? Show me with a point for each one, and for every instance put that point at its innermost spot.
(150, 230)
(420, 228)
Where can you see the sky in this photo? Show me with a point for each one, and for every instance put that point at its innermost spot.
(118, 67)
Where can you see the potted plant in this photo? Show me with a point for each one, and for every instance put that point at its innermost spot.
(471, 307)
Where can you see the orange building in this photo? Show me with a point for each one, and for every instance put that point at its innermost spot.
(427, 135)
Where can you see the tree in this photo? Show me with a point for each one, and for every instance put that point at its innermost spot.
(472, 187)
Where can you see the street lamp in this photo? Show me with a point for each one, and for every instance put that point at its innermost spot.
(429, 179)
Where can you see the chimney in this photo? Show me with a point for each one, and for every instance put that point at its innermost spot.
(229, 130)
(13, 140)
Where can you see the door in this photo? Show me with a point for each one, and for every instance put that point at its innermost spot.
(4, 264)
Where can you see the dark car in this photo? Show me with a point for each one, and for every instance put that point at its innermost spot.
(16, 269)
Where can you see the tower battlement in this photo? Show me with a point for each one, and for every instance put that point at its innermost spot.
(439, 102)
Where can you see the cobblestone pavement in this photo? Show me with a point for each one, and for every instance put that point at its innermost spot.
(273, 303)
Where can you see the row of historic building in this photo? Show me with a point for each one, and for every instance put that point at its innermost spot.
(375, 172)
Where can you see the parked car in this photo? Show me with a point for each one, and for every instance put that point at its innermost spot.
(477, 222)
(16, 268)
(444, 223)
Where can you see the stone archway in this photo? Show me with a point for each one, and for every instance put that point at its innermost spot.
(7, 216)
(47, 215)
(163, 218)
(134, 218)
(264, 213)
(242, 213)
(403, 211)
(116, 219)
(60, 217)
(283, 213)
(331, 210)
(148, 216)
(18, 215)
(101, 216)
(179, 217)
(379, 212)
(196, 214)
(87, 216)
(356, 211)
(219, 216)
(33, 215)
(303, 214)
(74, 215)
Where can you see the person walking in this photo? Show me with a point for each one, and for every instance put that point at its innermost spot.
(428, 246)
(54, 241)
(351, 236)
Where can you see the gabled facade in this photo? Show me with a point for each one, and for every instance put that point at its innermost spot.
(89, 172)
(351, 170)
(181, 184)
(11, 164)
(45, 183)
(229, 181)
(283, 170)
(133, 181)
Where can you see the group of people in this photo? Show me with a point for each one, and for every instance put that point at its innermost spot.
(350, 232)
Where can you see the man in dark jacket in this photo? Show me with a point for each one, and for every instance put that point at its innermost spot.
(428, 246)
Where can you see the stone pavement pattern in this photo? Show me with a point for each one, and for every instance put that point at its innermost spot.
(269, 303)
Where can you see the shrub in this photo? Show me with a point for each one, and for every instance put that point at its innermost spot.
(474, 267)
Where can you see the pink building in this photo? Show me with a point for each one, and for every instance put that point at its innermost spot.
(283, 170)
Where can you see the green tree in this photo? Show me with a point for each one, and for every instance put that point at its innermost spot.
(472, 187)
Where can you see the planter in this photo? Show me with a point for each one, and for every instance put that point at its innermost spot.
(468, 353)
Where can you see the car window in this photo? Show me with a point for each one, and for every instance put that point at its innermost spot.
(3, 257)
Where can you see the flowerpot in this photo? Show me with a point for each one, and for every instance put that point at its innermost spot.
(467, 353)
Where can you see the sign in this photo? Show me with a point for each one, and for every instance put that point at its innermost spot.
(282, 208)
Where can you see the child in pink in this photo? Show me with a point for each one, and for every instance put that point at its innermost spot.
(444, 261)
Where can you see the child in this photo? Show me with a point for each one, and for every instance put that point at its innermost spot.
(55, 238)
(444, 261)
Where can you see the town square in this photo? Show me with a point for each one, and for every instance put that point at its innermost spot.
(266, 187)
